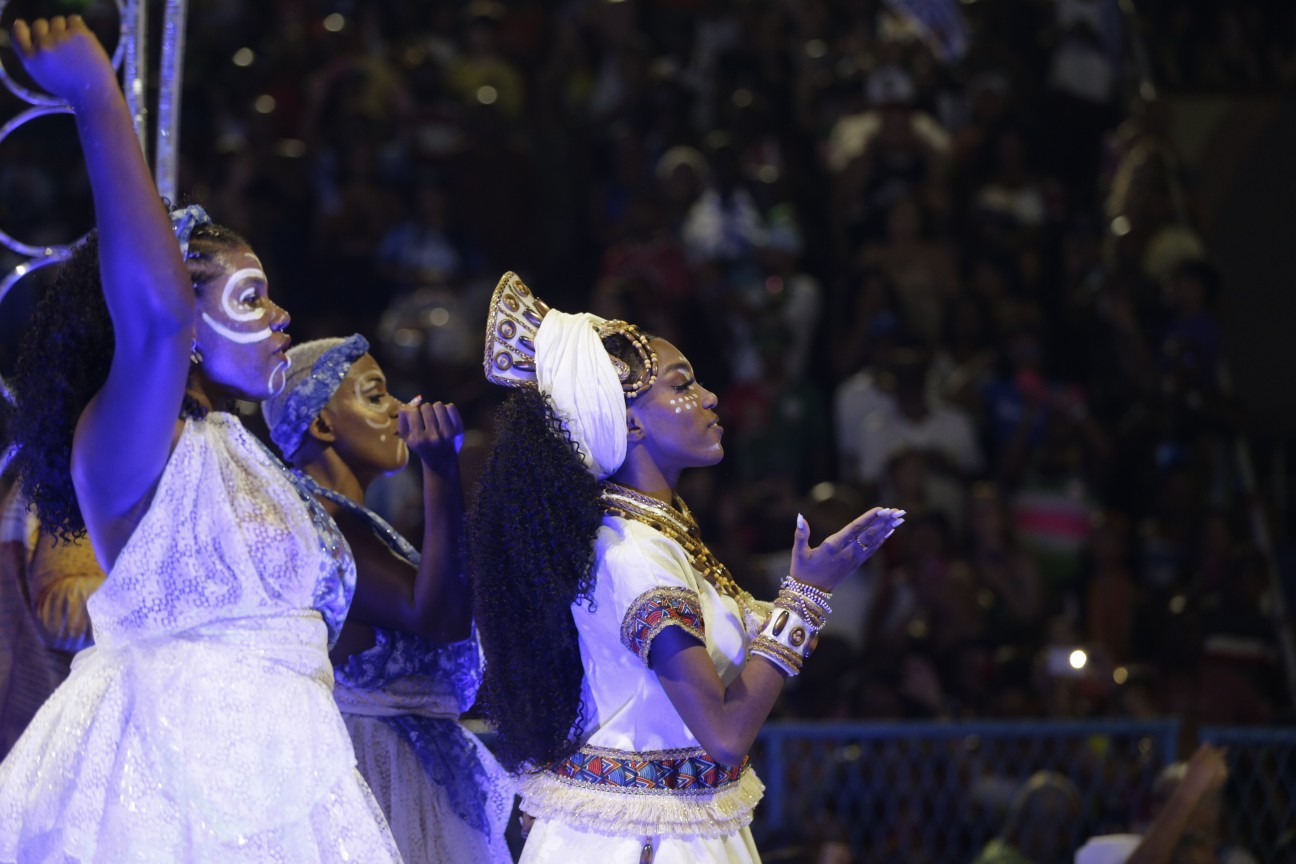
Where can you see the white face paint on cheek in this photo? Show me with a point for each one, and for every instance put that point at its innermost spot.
(278, 376)
(685, 403)
(372, 423)
(231, 311)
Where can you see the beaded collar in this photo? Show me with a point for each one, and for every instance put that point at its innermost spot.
(676, 522)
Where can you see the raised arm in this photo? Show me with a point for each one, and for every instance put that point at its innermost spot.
(726, 720)
(1181, 820)
(124, 437)
(435, 602)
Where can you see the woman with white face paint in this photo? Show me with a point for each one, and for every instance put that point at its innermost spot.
(200, 726)
(408, 662)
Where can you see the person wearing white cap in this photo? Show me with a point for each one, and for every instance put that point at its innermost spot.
(627, 673)
(408, 662)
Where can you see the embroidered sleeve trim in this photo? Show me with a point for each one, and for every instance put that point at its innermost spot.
(655, 610)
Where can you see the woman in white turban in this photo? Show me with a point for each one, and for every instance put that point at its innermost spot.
(627, 673)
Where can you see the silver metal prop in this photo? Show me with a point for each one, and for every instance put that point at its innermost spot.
(130, 59)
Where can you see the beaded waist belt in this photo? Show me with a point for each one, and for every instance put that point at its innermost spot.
(671, 771)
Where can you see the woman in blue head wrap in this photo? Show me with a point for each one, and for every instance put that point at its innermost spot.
(200, 727)
(408, 661)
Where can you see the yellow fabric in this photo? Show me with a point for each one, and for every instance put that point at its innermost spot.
(60, 579)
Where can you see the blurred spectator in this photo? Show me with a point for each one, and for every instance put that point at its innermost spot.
(419, 251)
(1041, 823)
(889, 151)
(941, 432)
(921, 269)
(725, 224)
(1184, 827)
(481, 74)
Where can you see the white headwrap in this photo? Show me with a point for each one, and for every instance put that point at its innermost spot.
(575, 371)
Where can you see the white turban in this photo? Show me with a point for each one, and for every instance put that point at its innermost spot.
(574, 370)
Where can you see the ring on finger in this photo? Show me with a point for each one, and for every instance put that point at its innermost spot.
(859, 541)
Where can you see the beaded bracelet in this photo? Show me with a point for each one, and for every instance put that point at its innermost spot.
(818, 596)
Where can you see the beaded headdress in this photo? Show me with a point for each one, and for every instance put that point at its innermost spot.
(528, 344)
(514, 319)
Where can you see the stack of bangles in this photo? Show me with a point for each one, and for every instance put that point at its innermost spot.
(792, 631)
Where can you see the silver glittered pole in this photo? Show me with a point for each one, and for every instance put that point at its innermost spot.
(170, 87)
(135, 66)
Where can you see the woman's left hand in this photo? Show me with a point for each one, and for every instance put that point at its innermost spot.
(838, 556)
(433, 431)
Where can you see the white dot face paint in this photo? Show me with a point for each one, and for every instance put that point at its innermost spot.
(236, 312)
(685, 403)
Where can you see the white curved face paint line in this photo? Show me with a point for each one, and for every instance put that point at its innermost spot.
(228, 305)
(231, 310)
(279, 373)
(236, 335)
(373, 424)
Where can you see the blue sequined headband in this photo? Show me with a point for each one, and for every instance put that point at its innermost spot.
(290, 413)
(183, 222)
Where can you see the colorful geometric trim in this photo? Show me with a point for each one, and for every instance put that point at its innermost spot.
(673, 772)
(655, 610)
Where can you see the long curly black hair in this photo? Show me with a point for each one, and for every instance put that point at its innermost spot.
(66, 350)
(530, 538)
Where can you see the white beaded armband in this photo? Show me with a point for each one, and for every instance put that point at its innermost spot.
(792, 631)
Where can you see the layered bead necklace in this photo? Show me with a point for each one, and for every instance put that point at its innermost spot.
(674, 522)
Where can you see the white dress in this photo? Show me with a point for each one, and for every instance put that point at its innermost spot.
(446, 798)
(201, 726)
(641, 777)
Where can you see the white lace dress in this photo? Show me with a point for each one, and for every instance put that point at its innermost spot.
(201, 727)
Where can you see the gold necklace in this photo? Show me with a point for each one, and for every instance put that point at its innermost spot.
(676, 523)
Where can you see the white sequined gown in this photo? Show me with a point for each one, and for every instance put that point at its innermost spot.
(201, 727)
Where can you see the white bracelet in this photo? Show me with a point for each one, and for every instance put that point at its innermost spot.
(788, 637)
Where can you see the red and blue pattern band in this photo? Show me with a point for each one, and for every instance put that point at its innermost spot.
(689, 771)
(655, 610)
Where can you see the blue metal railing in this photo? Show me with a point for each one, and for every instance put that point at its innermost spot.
(1260, 798)
(939, 791)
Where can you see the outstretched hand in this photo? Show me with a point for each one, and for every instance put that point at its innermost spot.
(63, 57)
(827, 564)
(432, 430)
